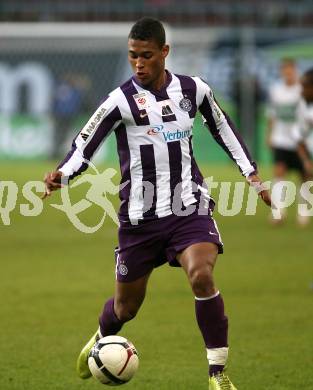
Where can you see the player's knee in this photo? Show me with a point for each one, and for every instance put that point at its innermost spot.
(126, 311)
(201, 281)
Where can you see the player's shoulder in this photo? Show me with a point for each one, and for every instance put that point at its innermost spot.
(183, 76)
(192, 79)
(200, 86)
(126, 85)
(204, 88)
(119, 91)
(202, 83)
(183, 81)
(114, 100)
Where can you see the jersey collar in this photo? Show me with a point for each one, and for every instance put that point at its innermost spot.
(162, 92)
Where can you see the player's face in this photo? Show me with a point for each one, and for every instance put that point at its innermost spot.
(147, 61)
(289, 73)
(307, 90)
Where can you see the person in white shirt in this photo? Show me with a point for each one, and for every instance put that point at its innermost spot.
(284, 100)
(305, 118)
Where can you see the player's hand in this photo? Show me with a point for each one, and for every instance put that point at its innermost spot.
(263, 193)
(52, 181)
(266, 197)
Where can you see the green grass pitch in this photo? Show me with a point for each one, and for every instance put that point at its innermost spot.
(54, 280)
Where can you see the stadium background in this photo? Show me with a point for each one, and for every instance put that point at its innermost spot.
(57, 60)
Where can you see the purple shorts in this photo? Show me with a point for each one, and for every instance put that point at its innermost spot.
(152, 243)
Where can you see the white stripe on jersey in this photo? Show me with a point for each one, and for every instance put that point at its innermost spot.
(187, 195)
(136, 201)
(183, 117)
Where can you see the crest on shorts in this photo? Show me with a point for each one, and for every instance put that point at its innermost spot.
(122, 269)
(185, 104)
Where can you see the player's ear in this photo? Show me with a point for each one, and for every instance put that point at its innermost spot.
(165, 51)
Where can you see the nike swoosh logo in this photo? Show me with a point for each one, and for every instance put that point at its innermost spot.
(213, 234)
(143, 115)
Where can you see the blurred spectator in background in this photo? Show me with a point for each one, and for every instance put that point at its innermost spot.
(248, 92)
(69, 102)
(284, 99)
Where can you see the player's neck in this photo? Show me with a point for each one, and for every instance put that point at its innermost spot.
(159, 83)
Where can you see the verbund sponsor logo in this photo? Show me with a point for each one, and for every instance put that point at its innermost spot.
(168, 135)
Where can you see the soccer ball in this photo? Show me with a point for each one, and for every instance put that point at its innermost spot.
(113, 360)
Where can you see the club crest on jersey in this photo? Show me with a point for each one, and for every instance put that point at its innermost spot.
(141, 100)
(185, 104)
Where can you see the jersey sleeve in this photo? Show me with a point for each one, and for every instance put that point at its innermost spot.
(223, 129)
(100, 125)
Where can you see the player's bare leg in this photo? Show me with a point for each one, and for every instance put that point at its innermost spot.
(117, 310)
(198, 262)
(124, 306)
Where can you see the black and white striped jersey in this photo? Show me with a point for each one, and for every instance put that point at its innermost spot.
(154, 143)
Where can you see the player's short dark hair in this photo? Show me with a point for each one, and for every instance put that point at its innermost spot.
(308, 76)
(147, 29)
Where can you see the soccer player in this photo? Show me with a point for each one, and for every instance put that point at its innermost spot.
(284, 99)
(152, 116)
(305, 119)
